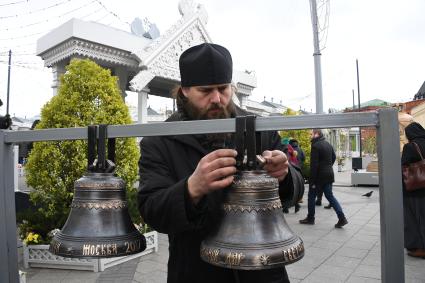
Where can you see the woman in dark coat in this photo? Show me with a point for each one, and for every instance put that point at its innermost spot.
(414, 202)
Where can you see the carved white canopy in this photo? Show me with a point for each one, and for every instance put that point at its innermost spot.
(152, 62)
(161, 57)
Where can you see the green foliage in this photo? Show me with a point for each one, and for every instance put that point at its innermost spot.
(369, 145)
(88, 94)
(353, 143)
(304, 141)
(342, 141)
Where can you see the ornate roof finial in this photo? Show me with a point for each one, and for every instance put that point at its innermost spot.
(187, 8)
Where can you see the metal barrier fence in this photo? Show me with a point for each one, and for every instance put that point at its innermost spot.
(385, 121)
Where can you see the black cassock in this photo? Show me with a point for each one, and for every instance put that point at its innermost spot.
(164, 167)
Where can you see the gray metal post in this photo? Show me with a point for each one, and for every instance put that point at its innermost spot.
(317, 54)
(8, 238)
(8, 81)
(390, 197)
(358, 95)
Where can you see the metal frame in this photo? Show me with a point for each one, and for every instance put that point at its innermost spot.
(385, 120)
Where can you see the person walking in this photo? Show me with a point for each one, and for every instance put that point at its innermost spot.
(300, 163)
(414, 202)
(300, 153)
(321, 177)
(182, 177)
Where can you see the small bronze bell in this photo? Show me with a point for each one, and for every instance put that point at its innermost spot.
(99, 224)
(253, 233)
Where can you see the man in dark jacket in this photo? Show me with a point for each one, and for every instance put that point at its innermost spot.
(321, 177)
(182, 177)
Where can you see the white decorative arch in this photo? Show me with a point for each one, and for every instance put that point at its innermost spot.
(161, 57)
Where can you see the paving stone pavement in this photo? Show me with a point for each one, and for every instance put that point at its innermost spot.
(351, 254)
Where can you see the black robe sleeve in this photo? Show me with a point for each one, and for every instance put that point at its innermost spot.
(161, 198)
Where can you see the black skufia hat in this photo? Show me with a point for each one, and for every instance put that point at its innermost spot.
(205, 64)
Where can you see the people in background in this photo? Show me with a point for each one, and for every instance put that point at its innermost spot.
(300, 153)
(293, 158)
(321, 177)
(414, 202)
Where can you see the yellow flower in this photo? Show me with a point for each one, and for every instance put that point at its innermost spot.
(32, 238)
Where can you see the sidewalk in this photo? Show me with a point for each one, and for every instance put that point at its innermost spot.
(351, 254)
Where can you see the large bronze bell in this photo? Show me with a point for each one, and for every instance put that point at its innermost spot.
(253, 233)
(99, 224)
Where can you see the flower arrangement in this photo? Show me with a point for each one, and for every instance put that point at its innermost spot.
(32, 239)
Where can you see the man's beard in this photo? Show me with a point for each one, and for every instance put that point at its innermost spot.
(219, 112)
(216, 140)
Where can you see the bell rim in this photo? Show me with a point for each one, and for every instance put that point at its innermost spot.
(65, 237)
(291, 253)
(257, 246)
(95, 242)
(257, 267)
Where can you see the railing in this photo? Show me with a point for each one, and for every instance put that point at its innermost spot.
(390, 198)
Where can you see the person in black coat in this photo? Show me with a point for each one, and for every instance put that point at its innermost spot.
(321, 177)
(414, 202)
(182, 177)
(5, 121)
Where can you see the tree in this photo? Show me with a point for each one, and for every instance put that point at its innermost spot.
(304, 141)
(369, 145)
(88, 94)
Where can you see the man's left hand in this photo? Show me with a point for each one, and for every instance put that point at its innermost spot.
(276, 164)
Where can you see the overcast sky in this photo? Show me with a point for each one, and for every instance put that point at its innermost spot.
(271, 37)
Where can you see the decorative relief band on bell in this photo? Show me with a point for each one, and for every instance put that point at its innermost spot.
(234, 259)
(112, 204)
(211, 254)
(256, 183)
(253, 258)
(294, 252)
(271, 205)
(99, 186)
(264, 259)
(100, 249)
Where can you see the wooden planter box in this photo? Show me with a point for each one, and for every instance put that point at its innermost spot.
(39, 256)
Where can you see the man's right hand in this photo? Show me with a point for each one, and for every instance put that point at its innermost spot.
(214, 172)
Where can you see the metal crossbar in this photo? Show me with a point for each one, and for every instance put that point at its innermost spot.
(385, 120)
(201, 127)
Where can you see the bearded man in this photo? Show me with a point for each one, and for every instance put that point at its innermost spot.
(182, 177)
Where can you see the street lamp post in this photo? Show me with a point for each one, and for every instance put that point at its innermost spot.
(358, 97)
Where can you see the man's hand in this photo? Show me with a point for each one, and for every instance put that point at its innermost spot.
(276, 164)
(214, 172)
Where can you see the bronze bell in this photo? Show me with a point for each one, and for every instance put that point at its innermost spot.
(99, 224)
(253, 233)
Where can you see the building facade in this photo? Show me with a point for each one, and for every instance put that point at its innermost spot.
(143, 61)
